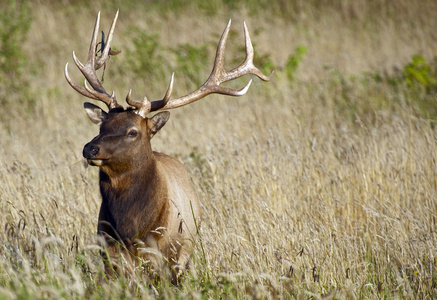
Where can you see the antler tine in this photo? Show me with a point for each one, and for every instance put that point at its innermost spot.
(106, 51)
(247, 66)
(218, 69)
(161, 103)
(89, 69)
(144, 107)
(91, 59)
(219, 75)
(77, 87)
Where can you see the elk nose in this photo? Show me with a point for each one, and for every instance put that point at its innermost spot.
(90, 151)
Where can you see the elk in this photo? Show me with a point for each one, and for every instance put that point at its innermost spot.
(149, 211)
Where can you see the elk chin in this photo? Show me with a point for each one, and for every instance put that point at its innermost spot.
(95, 162)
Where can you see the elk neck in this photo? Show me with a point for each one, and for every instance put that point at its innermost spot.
(129, 180)
(141, 188)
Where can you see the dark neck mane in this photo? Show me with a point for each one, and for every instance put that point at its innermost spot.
(125, 195)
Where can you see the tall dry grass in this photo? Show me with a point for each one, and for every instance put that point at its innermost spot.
(320, 187)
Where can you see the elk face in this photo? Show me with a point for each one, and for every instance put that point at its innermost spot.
(124, 138)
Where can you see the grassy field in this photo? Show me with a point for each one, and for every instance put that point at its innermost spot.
(319, 184)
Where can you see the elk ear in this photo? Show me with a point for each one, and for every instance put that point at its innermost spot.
(157, 122)
(95, 113)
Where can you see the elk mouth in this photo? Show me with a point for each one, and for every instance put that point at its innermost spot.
(95, 162)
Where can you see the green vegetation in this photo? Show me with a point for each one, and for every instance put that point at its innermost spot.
(320, 183)
(293, 62)
(15, 22)
(191, 60)
(420, 73)
(146, 59)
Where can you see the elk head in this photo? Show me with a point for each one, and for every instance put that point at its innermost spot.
(124, 139)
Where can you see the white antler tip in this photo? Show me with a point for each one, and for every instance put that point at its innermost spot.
(169, 90)
(246, 31)
(116, 15)
(246, 88)
(77, 61)
(67, 76)
(171, 81)
(86, 86)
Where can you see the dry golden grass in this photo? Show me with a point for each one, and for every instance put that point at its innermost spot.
(300, 197)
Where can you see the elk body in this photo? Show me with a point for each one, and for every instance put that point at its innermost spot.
(149, 211)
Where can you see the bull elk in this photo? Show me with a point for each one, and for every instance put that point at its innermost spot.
(149, 211)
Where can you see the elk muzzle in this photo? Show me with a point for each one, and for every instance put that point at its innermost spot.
(91, 153)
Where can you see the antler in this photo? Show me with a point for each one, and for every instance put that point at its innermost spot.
(94, 63)
(212, 84)
(145, 106)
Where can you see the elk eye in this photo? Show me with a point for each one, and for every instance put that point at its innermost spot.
(132, 133)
